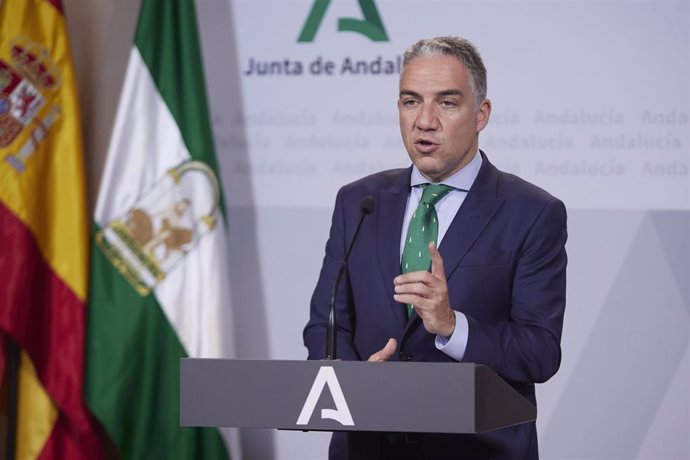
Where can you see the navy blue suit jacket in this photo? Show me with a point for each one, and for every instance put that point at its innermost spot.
(505, 262)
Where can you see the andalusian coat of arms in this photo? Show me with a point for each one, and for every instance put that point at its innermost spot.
(163, 225)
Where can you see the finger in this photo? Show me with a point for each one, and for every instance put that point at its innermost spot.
(412, 299)
(420, 289)
(421, 276)
(385, 353)
(389, 349)
(437, 268)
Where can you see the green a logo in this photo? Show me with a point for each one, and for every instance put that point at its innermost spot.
(371, 26)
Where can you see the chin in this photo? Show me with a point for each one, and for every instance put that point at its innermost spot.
(432, 175)
(429, 170)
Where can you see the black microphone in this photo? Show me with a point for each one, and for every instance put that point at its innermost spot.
(366, 207)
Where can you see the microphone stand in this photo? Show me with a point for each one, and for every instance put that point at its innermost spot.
(366, 207)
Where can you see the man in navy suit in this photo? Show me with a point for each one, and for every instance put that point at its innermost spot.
(494, 293)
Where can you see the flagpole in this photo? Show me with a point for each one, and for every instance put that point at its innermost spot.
(12, 396)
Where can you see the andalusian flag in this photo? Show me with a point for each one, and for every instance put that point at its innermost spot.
(43, 230)
(159, 262)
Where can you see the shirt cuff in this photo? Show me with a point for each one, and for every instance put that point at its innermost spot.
(455, 345)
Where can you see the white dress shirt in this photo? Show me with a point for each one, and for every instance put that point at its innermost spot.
(446, 208)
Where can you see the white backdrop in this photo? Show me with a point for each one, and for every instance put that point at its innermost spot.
(586, 94)
(591, 100)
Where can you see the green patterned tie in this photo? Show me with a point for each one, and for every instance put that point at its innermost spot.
(422, 230)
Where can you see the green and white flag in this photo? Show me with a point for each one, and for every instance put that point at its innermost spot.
(159, 260)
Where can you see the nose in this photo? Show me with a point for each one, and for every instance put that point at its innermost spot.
(427, 118)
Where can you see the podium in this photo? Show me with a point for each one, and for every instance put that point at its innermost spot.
(348, 396)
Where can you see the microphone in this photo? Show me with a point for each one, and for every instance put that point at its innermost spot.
(366, 207)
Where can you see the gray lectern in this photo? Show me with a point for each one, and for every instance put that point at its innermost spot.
(348, 396)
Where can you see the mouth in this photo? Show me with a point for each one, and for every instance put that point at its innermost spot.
(425, 145)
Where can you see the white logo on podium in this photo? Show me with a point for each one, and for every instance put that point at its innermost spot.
(341, 413)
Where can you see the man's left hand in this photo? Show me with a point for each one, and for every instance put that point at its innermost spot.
(428, 293)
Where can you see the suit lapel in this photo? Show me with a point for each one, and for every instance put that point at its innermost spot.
(392, 203)
(476, 211)
(468, 224)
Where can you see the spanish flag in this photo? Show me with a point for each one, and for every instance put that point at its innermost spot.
(43, 231)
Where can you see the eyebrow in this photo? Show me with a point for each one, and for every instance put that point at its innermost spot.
(407, 92)
(446, 92)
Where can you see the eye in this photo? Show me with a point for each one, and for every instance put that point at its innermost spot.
(448, 103)
(409, 102)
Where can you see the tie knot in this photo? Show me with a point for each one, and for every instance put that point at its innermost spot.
(434, 192)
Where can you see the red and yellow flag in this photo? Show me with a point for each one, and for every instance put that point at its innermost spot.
(43, 230)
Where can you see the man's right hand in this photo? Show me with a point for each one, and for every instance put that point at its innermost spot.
(385, 353)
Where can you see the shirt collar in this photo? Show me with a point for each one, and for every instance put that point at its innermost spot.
(461, 180)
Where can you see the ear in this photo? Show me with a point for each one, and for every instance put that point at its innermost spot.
(483, 114)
